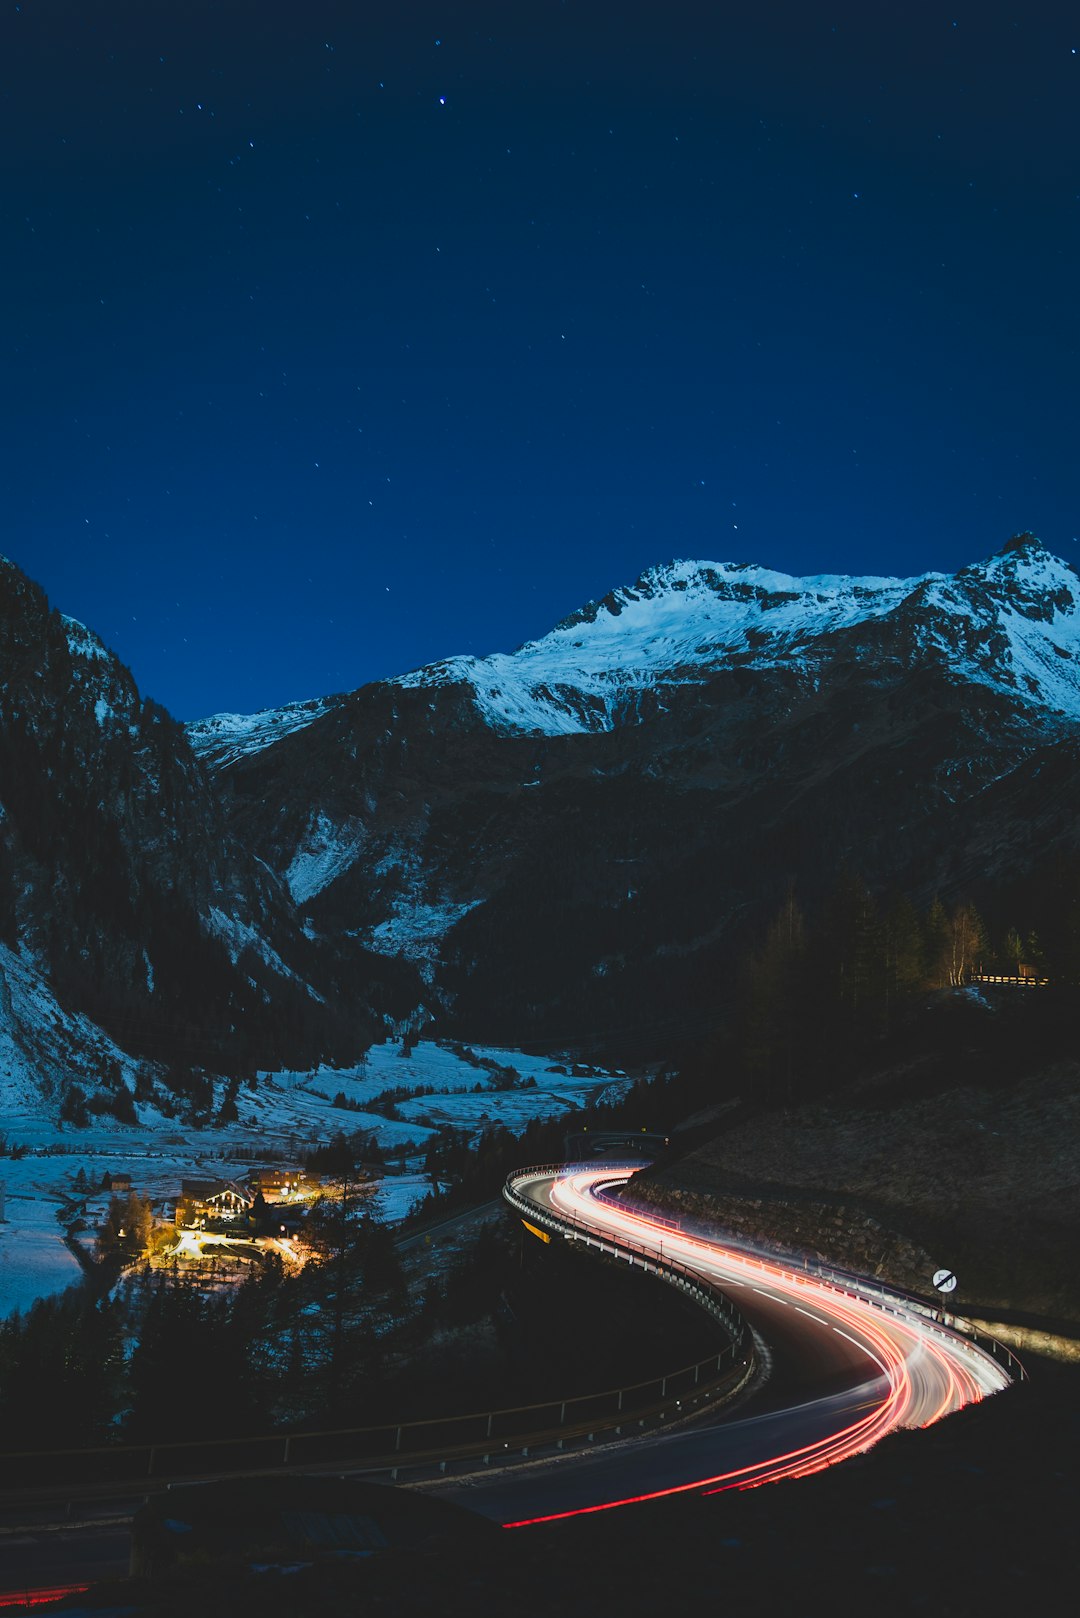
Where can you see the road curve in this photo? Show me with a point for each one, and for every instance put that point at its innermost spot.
(869, 1366)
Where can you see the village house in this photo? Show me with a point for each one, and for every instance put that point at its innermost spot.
(204, 1203)
(276, 1185)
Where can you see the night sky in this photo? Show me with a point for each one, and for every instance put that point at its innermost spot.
(342, 337)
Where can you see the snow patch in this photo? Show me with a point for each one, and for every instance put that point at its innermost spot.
(82, 642)
(239, 935)
(324, 853)
(34, 1261)
(544, 1087)
(225, 737)
(44, 1048)
(416, 929)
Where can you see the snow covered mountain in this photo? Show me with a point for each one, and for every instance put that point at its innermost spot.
(565, 828)
(542, 844)
(1011, 622)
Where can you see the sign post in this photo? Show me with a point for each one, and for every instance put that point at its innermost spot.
(945, 1282)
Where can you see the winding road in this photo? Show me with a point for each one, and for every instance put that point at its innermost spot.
(848, 1367)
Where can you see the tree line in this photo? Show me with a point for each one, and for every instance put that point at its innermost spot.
(821, 985)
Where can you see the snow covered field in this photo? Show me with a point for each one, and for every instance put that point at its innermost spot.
(34, 1262)
(286, 1114)
(470, 1093)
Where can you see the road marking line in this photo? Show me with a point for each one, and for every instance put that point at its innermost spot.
(819, 1318)
(771, 1295)
(864, 1349)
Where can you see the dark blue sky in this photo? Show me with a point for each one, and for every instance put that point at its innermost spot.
(341, 337)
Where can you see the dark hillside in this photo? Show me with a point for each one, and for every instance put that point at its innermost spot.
(118, 871)
(957, 1144)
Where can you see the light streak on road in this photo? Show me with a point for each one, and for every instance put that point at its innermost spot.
(21, 1600)
(917, 1372)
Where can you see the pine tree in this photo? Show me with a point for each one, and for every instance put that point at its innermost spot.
(127, 1228)
(61, 1369)
(938, 946)
(382, 1266)
(853, 944)
(778, 1005)
(904, 955)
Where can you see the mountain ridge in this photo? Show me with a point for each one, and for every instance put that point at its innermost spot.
(593, 821)
(539, 841)
(680, 620)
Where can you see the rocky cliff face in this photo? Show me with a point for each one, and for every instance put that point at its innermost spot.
(586, 828)
(122, 887)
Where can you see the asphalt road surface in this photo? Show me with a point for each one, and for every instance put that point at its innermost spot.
(844, 1373)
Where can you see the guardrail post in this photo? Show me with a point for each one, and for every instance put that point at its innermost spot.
(285, 1454)
(491, 1418)
(397, 1439)
(562, 1414)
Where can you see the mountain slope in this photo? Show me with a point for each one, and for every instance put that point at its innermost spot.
(120, 882)
(591, 825)
(1010, 623)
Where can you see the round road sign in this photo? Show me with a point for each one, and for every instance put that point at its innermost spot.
(945, 1280)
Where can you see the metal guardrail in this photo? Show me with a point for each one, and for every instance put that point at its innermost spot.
(1010, 980)
(892, 1299)
(437, 1442)
(691, 1282)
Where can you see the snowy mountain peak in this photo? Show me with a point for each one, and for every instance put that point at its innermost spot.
(676, 625)
(707, 585)
(1010, 621)
(1027, 578)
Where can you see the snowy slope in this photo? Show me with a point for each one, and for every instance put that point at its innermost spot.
(1010, 622)
(224, 737)
(325, 850)
(42, 1047)
(675, 626)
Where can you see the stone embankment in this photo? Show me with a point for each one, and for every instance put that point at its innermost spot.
(827, 1232)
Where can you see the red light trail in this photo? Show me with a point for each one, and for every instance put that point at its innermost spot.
(920, 1372)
